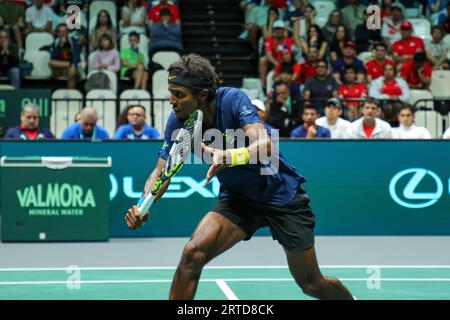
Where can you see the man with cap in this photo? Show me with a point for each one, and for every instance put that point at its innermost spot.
(309, 129)
(87, 128)
(274, 47)
(154, 15)
(165, 35)
(332, 120)
(390, 31)
(405, 48)
(29, 126)
(348, 59)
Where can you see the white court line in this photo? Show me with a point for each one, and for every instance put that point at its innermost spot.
(215, 280)
(232, 267)
(226, 290)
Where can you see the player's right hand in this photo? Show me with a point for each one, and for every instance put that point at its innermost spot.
(133, 219)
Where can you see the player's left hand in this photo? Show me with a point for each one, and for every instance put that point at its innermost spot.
(219, 160)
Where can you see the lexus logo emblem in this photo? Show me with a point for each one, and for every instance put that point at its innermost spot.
(409, 197)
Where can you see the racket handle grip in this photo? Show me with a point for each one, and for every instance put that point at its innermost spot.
(144, 204)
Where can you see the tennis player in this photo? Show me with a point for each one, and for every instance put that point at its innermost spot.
(248, 200)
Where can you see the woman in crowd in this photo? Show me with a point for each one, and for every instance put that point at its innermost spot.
(340, 37)
(103, 25)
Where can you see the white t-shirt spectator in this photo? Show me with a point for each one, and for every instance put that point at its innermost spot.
(338, 130)
(383, 91)
(446, 134)
(382, 130)
(412, 132)
(39, 18)
(391, 30)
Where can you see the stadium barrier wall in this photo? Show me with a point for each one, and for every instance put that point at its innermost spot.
(356, 187)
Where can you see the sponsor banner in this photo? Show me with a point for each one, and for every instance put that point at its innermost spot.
(356, 187)
(43, 204)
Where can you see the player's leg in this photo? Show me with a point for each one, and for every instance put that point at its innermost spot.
(214, 235)
(305, 270)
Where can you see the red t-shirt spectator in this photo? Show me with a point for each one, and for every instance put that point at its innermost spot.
(308, 71)
(297, 68)
(279, 3)
(153, 15)
(410, 74)
(408, 47)
(375, 70)
(391, 88)
(354, 91)
(276, 47)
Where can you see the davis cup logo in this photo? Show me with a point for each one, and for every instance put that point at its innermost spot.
(410, 196)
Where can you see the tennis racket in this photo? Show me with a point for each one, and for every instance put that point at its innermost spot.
(178, 153)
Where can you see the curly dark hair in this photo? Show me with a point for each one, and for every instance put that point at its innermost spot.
(198, 67)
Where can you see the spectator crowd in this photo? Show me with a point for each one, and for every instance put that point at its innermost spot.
(326, 52)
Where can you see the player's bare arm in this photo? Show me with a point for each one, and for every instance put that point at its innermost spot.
(260, 147)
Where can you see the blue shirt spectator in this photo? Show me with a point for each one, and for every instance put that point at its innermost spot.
(126, 131)
(309, 129)
(86, 128)
(301, 132)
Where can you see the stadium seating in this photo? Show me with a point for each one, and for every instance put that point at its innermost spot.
(414, 12)
(133, 96)
(36, 40)
(6, 87)
(432, 120)
(66, 103)
(165, 58)
(112, 78)
(96, 6)
(416, 95)
(40, 60)
(91, 61)
(162, 109)
(104, 101)
(253, 88)
(440, 80)
(422, 28)
(323, 9)
(446, 40)
(365, 56)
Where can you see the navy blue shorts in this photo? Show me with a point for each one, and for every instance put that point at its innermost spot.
(292, 224)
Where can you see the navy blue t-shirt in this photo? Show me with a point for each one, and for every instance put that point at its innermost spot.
(301, 132)
(233, 110)
(16, 133)
(126, 132)
(339, 66)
